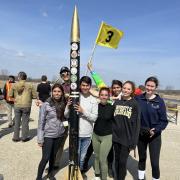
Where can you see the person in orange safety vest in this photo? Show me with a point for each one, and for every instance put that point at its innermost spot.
(9, 100)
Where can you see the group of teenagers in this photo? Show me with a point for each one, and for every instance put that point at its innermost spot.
(112, 122)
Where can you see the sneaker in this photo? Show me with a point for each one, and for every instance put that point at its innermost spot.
(83, 171)
(110, 173)
(51, 176)
(96, 178)
(27, 139)
(85, 167)
(46, 170)
(16, 140)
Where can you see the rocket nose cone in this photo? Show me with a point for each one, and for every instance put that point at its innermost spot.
(75, 30)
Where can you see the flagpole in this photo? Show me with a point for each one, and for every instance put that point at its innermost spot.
(94, 47)
(92, 54)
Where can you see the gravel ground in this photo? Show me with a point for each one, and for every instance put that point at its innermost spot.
(19, 161)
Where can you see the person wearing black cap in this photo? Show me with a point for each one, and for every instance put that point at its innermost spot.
(65, 75)
(9, 100)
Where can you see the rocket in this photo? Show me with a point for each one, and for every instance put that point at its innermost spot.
(74, 95)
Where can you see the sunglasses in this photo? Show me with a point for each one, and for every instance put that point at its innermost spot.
(65, 74)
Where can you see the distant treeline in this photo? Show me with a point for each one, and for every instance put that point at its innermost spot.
(169, 92)
(29, 79)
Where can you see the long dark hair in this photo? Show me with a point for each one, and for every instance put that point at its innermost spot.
(58, 104)
(116, 82)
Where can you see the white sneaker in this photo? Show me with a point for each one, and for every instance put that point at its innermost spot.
(96, 178)
(141, 174)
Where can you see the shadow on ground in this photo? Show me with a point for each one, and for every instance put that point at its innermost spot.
(132, 167)
(2, 121)
(65, 159)
(33, 133)
(5, 131)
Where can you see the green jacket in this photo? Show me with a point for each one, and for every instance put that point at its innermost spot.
(98, 80)
(23, 93)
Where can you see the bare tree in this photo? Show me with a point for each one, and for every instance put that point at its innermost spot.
(169, 87)
(4, 74)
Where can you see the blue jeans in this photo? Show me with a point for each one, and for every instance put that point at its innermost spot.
(84, 143)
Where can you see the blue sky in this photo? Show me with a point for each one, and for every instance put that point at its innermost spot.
(35, 38)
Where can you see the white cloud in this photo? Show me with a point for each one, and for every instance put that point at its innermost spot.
(45, 14)
(5, 52)
(20, 54)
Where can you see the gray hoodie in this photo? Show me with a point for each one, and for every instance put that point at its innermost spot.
(48, 124)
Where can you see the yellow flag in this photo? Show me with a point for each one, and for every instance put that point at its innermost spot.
(108, 36)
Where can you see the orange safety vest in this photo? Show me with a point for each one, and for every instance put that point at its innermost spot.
(8, 88)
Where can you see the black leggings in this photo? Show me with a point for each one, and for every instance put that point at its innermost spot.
(49, 150)
(110, 156)
(154, 151)
(121, 156)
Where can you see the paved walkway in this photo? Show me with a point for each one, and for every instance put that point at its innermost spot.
(19, 161)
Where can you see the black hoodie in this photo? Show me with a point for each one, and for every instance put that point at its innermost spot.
(126, 123)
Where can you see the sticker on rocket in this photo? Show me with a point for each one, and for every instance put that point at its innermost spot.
(74, 54)
(74, 46)
(73, 78)
(73, 86)
(74, 62)
(73, 70)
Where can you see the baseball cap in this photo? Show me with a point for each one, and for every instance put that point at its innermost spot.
(64, 69)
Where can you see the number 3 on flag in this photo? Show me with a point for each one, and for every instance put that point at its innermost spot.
(108, 36)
